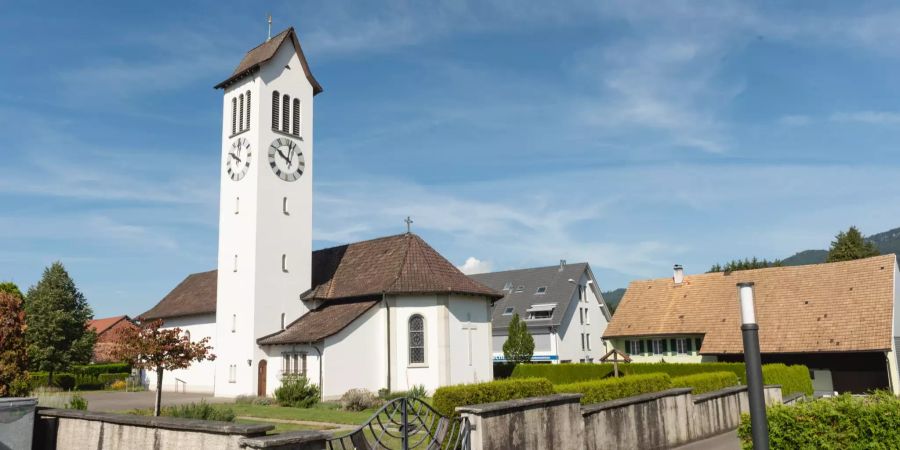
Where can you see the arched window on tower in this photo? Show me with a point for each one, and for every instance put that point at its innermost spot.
(285, 113)
(241, 113)
(275, 97)
(233, 116)
(247, 126)
(296, 130)
(416, 339)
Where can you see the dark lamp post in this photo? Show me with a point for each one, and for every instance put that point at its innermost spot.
(753, 363)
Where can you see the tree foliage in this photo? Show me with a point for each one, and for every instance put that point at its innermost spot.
(57, 316)
(519, 345)
(153, 348)
(13, 349)
(744, 264)
(849, 245)
(11, 288)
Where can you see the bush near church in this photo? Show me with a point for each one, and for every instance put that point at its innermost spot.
(447, 398)
(564, 373)
(844, 422)
(597, 391)
(792, 379)
(297, 391)
(706, 382)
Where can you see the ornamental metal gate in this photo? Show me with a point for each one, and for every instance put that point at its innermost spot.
(404, 424)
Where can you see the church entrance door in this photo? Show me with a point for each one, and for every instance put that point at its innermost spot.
(261, 379)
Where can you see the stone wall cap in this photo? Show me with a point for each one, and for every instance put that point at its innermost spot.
(643, 398)
(707, 396)
(18, 402)
(792, 397)
(285, 439)
(168, 423)
(521, 403)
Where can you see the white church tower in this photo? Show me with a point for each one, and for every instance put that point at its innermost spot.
(265, 207)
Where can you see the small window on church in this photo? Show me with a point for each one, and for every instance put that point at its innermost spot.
(233, 322)
(235, 263)
(237, 205)
(232, 373)
(275, 97)
(296, 130)
(247, 125)
(416, 339)
(284, 206)
(284, 263)
(285, 113)
(241, 112)
(282, 321)
(233, 116)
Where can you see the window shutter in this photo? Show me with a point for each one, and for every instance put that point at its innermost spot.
(673, 346)
(627, 346)
(233, 115)
(285, 114)
(699, 343)
(643, 347)
(689, 344)
(664, 345)
(275, 97)
(296, 117)
(247, 127)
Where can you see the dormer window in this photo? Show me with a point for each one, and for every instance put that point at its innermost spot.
(508, 287)
(520, 288)
(541, 290)
(508, 311)
(541, 311)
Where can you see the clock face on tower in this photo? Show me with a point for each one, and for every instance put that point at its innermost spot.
(238, 159)
(286, 159)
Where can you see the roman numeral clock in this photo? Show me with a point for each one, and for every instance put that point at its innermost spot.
(286, 159)
(238, 159)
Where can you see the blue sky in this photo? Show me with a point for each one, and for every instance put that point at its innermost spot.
(632, 135)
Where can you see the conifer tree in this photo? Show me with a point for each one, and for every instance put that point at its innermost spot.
(57, 314)
(13, 354)
(519, 345)
(851, 245)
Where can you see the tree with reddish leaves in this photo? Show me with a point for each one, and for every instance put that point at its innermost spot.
(153, 348)
(13, 354)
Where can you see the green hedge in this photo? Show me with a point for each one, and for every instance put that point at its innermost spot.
(706, 382)
(597, 391)
(97, 369)
(683, 369)
(63, 380)
(447, 398)
(109, 378)
(503, 370)
(563, 373)
(843, 422)
(791, 378)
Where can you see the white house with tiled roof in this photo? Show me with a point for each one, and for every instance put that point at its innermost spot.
(385, 313)
(839, 319)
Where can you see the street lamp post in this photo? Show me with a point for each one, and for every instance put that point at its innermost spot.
(753, 364)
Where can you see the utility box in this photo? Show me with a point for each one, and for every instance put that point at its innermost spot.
(16, 422)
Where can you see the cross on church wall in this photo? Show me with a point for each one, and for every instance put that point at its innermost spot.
(469, 327)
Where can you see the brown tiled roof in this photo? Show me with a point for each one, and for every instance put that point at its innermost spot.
(836, 307)
(102, 325)
(400, 264)
(264, 52)
(195, 295)
(320, 323)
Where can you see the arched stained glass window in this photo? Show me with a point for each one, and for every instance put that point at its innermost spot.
(417, 339)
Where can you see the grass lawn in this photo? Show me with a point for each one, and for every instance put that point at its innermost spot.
(323, 412)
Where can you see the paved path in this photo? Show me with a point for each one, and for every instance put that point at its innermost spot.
(725, 441)
(118, 400)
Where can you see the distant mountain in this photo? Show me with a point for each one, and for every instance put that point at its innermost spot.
(887, 242)
(613, 298)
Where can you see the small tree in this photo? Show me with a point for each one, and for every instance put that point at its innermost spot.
(744, 264)
(152, 348)
(11, 288)
(13, 354)
(850, 245)
(57, 315)
(519, 345)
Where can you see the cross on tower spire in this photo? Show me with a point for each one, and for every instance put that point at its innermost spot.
(409, 222)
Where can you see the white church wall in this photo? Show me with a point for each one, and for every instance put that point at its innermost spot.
(407, 375)
(275, 364)
(469, 349)
(200, 376)
(356, 357)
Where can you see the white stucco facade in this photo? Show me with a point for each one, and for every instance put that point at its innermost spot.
(200, 377)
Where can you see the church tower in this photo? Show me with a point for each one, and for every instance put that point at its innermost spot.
(265, 207)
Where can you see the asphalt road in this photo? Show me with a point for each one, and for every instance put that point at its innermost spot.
(725, 441)
(118, 400)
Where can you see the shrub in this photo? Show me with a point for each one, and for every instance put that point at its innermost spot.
(118, 385)
(244, 399)
(417, 391)
(202, 411)
(682, 369)
(843, 422)
(262, 401)
(97, 369)
(707, 382)
(37, 379)
(359, 400)
(791, 378)
(109, 378)
(563, 373)
(87, 382)
(64, 381)
(77, 402)
(447, 398)
(297, 391)
(596, 391)
(503, 370)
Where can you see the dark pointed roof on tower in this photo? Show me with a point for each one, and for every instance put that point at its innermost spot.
(264, 52)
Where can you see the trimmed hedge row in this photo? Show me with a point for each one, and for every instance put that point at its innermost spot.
(563, 373)
(97, 369)
(843, 422)
(68, 381)
(597, 391)
(447, 398)
(791, 378)
(706, 382)
(683, 369)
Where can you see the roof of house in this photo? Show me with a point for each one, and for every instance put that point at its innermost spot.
(837, 307)
(266, 51)
(100, 326)
(324, 321)
(523, 287)
(400, 264)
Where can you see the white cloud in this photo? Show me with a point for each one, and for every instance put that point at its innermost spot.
(474, 265)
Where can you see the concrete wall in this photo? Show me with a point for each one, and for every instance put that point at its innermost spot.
(551, 422)
(57, 429)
